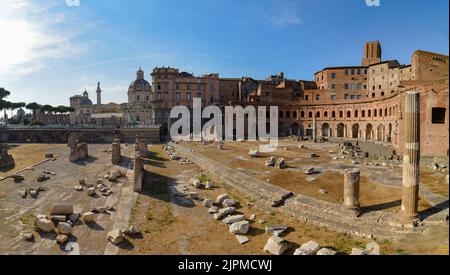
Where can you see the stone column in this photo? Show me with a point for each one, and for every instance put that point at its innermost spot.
(314, 128)
(351, 190)
(138, 173)
(411, 159)
(116, 152)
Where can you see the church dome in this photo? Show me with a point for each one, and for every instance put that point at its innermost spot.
(140, 84)
(85, 102)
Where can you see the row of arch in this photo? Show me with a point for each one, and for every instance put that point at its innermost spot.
(368, 131)
(358, 113)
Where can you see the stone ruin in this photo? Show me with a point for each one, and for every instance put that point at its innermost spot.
(116, 152)
(139, 172)
(78, 151)
(6, 160)
(143, 147)
(409, 213)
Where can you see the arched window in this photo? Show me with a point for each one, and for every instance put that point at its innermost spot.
(369, 113)
(375, 113)
(363, 113)
(302, 114)
(341, 114)
(385, 112)
(318, 114)
(325, 114)
(349, 114)
(310, 114)
(381, 112)
(356, 114)
(294, 115)
(333, 114)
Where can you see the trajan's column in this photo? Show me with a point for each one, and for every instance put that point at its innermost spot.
(411, 169)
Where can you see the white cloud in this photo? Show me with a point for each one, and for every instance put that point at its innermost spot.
(283, 14)
(32, 35)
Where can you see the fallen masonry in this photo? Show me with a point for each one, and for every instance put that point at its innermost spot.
(115, 236)
(276, 246)
(309, 248)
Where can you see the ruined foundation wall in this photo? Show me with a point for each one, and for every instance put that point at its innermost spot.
(101, 136)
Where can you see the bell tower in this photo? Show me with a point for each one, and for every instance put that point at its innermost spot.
(372, 53)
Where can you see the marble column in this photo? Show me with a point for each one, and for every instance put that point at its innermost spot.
(351, 190)
(411, 159)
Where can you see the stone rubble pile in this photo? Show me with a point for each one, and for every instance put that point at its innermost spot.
(354, 153)
(273, 162)
(103, 188)
(62, 220)
(170, 150)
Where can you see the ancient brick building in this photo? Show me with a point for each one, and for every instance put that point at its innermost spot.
(367, 103)
(173, 88)
(349, 102)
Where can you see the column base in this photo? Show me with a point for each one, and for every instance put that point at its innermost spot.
(352, 210)
(408, 219)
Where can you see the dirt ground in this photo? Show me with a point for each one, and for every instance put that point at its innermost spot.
(172, 225)
(26, 155)
(373, 195)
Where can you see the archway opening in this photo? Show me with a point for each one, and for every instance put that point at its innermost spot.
(355, 130)
(340, 130)
(369, 131)
(326, 130)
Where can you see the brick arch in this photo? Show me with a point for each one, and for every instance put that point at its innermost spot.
(381, 130)
(340, 130)
(355, 130)
(326, 130)
(369, 131)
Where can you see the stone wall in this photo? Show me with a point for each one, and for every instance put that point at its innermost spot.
(85, 135)
(6, 160)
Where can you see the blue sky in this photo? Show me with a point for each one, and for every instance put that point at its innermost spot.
(54, 51)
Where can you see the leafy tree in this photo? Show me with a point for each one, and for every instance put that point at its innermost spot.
(46, 109)
(34, 107)
(4, 93)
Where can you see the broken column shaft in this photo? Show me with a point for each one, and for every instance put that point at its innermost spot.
(116, 152)
(411, 160)
(138, 173)
(351, 190)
